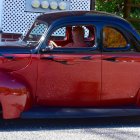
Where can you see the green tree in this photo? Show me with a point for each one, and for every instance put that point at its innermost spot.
(111, 6)
(117, 7)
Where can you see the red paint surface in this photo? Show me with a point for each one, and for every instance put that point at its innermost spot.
(120, 79)
(17, 83)
(68, 80)
(98, 79)
(75, 83)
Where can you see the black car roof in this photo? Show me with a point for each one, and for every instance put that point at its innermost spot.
(57, 15)
(101, 16)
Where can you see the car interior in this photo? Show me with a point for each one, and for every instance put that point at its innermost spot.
(63, 36)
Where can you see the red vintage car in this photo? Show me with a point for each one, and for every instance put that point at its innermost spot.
(72, 64)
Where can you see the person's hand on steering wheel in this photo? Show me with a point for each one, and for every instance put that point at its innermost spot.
(53, 44)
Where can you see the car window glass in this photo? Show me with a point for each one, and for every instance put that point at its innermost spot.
(35, 33)
(87, 32)
(73, 37)
(39, 29)
(59, 34)
(112, 38)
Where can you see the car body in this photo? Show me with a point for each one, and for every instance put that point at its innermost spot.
(40, 80)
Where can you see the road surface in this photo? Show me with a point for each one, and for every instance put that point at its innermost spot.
(121, 128)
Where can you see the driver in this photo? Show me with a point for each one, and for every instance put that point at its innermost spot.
(77, 37)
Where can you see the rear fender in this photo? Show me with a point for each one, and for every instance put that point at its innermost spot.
(15, 96)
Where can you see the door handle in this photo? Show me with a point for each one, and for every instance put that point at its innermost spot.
(9, 57)
(111, 59)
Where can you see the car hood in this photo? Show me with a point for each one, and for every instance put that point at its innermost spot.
(14, 56)
(13, 44)
(15, 47)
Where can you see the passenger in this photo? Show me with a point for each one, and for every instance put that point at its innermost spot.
(77, 37)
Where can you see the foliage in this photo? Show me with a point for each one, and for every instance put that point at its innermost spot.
(135, 12)
(136, 1)
(117, 7)
(111, 6)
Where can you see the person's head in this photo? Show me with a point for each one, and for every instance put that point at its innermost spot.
(78, 34)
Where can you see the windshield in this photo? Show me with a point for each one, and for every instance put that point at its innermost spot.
(36, 33)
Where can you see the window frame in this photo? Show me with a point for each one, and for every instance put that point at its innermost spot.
(123, 32)
(58, 25)
(25, 37)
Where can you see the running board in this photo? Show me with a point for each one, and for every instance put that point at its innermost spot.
(40, 112)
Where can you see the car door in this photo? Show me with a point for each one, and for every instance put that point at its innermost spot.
(120, 68)
(69, 77)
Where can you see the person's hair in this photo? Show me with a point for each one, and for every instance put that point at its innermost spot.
(79, 30)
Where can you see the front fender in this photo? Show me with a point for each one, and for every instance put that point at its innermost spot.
(14, 96)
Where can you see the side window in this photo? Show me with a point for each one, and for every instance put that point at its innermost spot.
(59, 34)
(86, 30)
(80, 36)
(39, 29)
(113, 38)
(36, 33)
